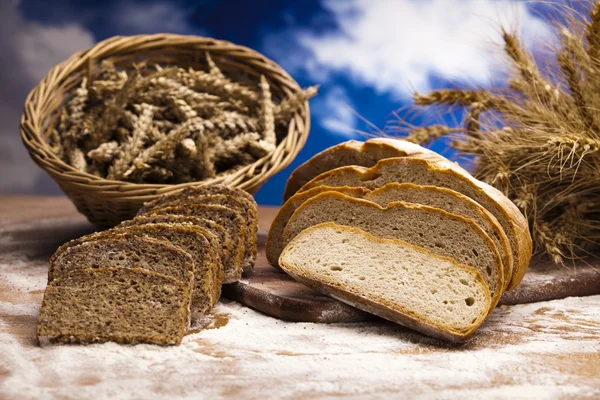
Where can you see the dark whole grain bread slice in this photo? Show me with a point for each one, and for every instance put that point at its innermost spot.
(246, 209)
(126, 251)
(403, 283)
(222, 234)
(436, 230)
(123, 305)
(441, 173)
(198, 242)
(224, 216)
(352, 152)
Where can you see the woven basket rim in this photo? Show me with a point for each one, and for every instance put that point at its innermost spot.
(32, 131)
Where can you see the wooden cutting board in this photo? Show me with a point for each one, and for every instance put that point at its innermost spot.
(274, 293)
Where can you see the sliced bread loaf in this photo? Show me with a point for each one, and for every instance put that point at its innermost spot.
(114, 304)
(439, 231)
(445, 199)
(126, 251)
(198, 242)
(448, 175)
(230, 219)
(244, 207)
(352, 152)
(390, 278)
(225, 243)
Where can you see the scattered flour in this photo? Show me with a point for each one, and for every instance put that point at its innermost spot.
(524, 351)
(541, 350)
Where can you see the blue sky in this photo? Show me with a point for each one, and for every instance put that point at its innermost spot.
(367, 55)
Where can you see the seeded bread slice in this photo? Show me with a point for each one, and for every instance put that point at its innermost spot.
(448, 175)
(197, 242)
(224, 241)
(445, 199)
(390, 278)
(436, 230)
(352, 152)
(146, 253)
(228, 219)
(247, 210)
(122, 305)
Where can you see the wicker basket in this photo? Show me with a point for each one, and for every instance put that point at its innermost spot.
(107, 202)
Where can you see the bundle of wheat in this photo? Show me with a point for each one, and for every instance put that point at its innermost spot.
(169, 125)
(538, 139)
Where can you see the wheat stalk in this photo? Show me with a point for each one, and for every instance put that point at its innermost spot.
(537, 143)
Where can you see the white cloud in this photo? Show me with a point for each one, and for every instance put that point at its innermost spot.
(334, 112)
(398, 45)
(27, 54)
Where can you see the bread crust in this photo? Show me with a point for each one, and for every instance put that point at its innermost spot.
(352, 152)
(518, 231)
(385, 309)
(288, 235)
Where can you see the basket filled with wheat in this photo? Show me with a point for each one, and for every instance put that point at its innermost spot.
(136, 117)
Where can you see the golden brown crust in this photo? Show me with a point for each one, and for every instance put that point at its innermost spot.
(383, 308)
(509, 216)
(352, 152)
(288, 235)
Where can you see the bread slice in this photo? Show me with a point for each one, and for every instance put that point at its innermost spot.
(353, 152)
(247, 210)
(274, 245)
(439, 231)
(122, 305)
(224, 216)
(224, 241)
(445, 199)
(390, 278)
(198, 242)
(126, 251)
(448, 175)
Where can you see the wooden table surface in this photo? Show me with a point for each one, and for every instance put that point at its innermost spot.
(540, 350)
